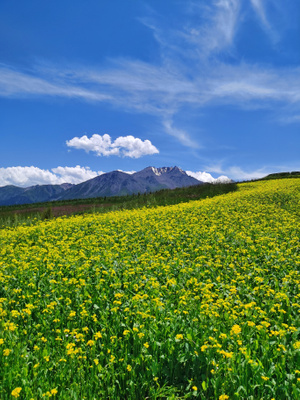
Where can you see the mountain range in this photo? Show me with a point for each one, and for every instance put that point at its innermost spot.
(115, 183)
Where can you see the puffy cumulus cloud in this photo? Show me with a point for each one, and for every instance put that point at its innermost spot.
(101, 145)
(75, 174)
(134, 147)
(27, 176)
(207, 178)
(222, 179)
(30, 176)
(127, 146)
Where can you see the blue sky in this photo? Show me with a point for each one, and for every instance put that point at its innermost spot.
(90, 87)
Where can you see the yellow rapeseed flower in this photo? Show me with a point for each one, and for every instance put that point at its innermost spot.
(6, 352)
(236, 329)
(16, 392)
(98, 335)
(296, 345)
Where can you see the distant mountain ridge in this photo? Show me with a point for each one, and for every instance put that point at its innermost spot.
(115, 183)
(12, 195)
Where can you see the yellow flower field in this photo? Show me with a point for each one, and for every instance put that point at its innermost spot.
(199, 300)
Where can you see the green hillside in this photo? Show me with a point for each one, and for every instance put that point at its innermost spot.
(197, 300)
(283, 175)
(30, 213)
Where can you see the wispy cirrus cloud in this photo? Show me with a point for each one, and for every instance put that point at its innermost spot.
(180, 134)
(218, 34)
(260, 10)
(237, 173)
(14, 83)
(259, 7)
(158, 91)
(190, 75)
(215, 33)
(250, 84)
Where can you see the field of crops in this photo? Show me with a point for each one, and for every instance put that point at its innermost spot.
(193, 301)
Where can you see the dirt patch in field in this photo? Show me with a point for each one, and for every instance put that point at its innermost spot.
(58, 211)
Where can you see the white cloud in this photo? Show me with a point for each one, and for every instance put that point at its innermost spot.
(27, 176)
(221, 30)
(134, 147)
(207, 178)
(290, 119)
(127, 146)
(214, 31)
(180, 134)
(75, 174)
(238, 174)
(260, 9)
(222, 179)
(253, 85)
(15, 83)
(30, 176)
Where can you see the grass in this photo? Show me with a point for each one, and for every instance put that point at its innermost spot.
(196, 300)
